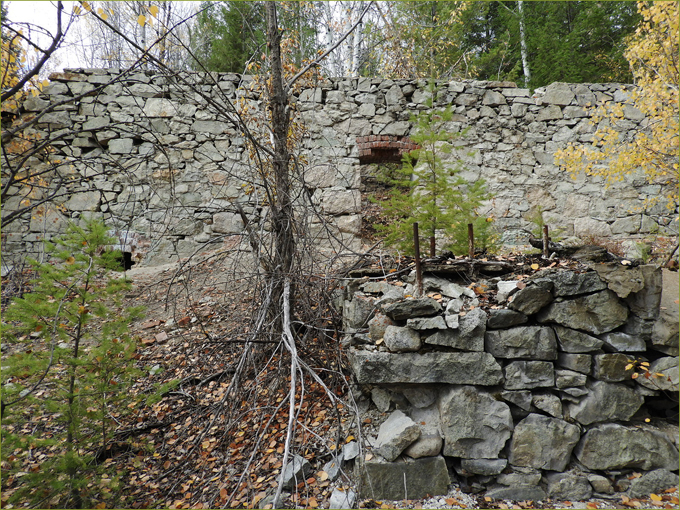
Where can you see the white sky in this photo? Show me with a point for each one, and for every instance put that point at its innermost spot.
(44, 14)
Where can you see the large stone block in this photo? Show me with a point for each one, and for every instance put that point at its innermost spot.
(595, 313)
(410, 308)
(646, 448)
(542, 442)
(406, 478)
(532, 298)
(606, 402)
(569, 283)
(612, 367)
(398, 339)
(520, 375)
(372, 367)
(524, 342)
(573, 341)
(474, 424)
(395, 434)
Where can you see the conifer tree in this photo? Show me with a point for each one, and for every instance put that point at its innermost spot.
(66, 369)
(429, 190)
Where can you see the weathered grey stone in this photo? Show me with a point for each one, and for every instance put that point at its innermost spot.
(160, 107)
(568, 486)
(664, 375)
(296, 471)
(377, 326)
(493, 98)
(645, 302)
(612, 367)
(569, 283)
(552, 112)
(86, 201)
(571, 340)
(474, 424)
(505, 289)
(337, 201)
(340, 498)
(665, 333)
(227, 223)
(623, 342)
(350, 451)
(559, 94)
(548, 403)
(532, 298)
(567, 378)
(395, 434)
(606, 402)
(485, 467)
(120, 146)
(524, 342)
(600, 483)
(527, 477)
(420, 397)
(425, 323)
(434, 367)
(521, 398)
(334, 467)
(406, 478)
(646, 448)
(409, 308)
(577, 362)
(652, 482)
(596, 313)
(502, 318)
(621, 279)
(517, 493)
(359, 311)
(469, 335)
(520, 375)
(427, 445)
(541, 442)
(399, 339)
(381, 398)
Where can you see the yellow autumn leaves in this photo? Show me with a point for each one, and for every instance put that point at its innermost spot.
(653, 151)
(142, 19)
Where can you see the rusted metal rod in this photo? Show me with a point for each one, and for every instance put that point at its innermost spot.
(471, 241)
(419, 272)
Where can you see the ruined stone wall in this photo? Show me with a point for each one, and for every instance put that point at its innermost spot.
(532, 395)
(179, 166)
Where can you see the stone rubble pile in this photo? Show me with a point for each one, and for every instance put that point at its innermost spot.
(533, 398)
(153, 155)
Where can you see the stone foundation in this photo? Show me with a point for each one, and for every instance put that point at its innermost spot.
(556, 385)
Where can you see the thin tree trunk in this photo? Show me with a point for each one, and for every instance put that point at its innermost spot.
(282, 208)
(523, 44)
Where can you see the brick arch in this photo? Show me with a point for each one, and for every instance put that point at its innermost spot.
(384, 148)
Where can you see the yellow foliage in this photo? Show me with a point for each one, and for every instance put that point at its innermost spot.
(653, 56)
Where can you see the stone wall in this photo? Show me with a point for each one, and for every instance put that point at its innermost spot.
(541, 392)
(162, 163)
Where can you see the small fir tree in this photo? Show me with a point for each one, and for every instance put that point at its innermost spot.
(68, 377)
(431, 192)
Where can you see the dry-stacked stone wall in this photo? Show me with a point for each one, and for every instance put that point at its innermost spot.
(560, 387)
(154, 156)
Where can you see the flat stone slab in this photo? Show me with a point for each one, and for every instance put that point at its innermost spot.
(522, 342)
(646, 448)
(595, 313)
(407, 478)
(372, 367)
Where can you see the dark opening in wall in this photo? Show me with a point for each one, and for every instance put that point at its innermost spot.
(125, 261)
(383, 148)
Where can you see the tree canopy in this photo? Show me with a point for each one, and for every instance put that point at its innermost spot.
(653, 56)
